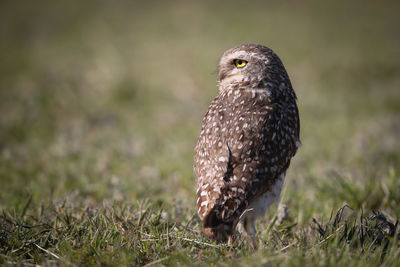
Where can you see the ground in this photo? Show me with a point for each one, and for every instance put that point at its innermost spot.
(101, 105)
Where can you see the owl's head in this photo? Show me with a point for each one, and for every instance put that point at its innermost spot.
(247, 65)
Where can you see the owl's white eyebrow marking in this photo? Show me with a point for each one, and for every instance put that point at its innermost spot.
(238, 55)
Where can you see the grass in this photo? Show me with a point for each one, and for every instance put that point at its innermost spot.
(101, 106)
(120, 233)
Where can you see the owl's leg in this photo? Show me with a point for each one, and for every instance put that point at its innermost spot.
(232, 236)
(231, 239)
(250, 231)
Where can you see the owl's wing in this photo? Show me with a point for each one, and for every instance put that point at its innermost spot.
(226, 159)
(210, 164)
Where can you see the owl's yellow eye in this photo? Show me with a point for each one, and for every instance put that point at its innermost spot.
(240, 63)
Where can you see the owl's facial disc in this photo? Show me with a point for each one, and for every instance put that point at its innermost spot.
(233, 67)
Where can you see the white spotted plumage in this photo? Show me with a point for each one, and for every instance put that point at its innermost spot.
(242, 166)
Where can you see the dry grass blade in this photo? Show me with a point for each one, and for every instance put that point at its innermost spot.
(156, 261)
(47, 251)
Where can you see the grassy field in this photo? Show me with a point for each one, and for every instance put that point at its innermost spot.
(100, 108)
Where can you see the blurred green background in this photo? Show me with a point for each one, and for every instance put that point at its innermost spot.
(103, 100)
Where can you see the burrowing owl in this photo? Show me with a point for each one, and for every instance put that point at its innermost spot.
(248, 137)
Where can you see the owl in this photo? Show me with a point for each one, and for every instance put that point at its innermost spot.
(248, 137)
